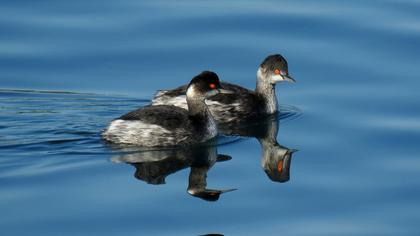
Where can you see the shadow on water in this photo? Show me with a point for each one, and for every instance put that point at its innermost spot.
(83, 119)
(276, 159)
(236, 132)
(154, 165)
(73, 118)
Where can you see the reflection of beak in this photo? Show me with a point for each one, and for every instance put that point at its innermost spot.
(225, 91)
(291, 151)
(221, 157)
(209, 194)
(212, 191)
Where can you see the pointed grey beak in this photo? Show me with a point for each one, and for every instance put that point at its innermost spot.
(225, 91)
(209, 194)
(222, 157)
(292, 151)
(288, 79)
(228, 190)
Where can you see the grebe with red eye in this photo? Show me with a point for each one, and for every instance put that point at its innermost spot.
(165, 125)
(243, 103)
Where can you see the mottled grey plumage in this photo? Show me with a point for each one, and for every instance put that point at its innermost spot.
(169, 117)
(160, 126)
(242, 104)
(166, 125)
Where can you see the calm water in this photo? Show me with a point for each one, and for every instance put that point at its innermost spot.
(353, 116)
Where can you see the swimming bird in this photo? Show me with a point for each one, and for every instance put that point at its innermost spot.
(166, 125)
(242, 104)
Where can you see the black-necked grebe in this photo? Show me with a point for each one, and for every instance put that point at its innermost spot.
(242, 104)
(165, 125)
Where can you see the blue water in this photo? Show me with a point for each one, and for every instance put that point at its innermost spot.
(353, 116)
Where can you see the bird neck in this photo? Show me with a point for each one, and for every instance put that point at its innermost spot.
(202, 117)
(267, 91)
(267, 142)
(268, 139)
(197, 179)
(197, 107)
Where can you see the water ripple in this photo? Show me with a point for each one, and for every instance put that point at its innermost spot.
(57, 128)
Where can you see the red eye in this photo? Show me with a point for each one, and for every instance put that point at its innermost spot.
(277, 71)
(280, 166)
(212, 86)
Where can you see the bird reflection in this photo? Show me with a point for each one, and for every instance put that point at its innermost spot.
(153, 166)
(276, 159)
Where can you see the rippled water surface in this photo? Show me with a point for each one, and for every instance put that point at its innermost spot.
(353, 116)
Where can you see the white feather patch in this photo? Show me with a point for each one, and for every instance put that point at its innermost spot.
(221, 112)
(179, 101)
(191, 91)
(136, 132)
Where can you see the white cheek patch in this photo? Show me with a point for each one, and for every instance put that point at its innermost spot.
(260, 74)
(273, 78)
(191, 91)
(276, 78)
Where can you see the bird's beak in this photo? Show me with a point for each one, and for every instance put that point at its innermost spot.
(225, 91)
(280, 78)
(288, 79)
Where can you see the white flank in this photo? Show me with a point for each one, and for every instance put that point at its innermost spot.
(136, 132)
